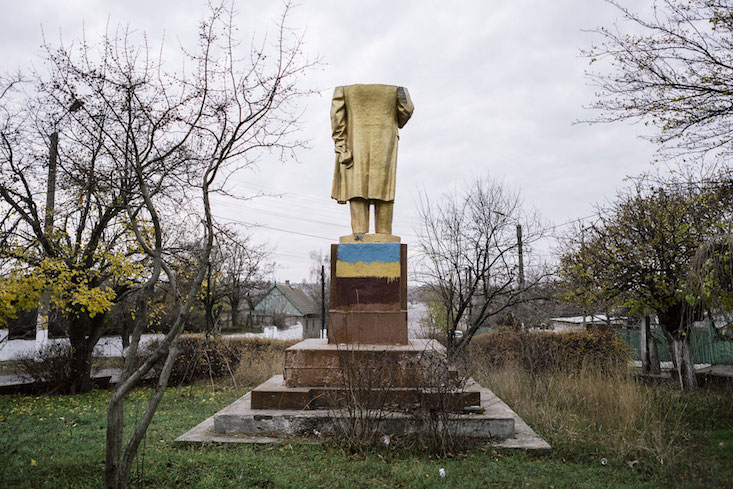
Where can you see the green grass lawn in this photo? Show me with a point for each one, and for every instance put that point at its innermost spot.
(58, 442)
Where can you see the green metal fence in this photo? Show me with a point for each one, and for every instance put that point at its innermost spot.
(706, 346)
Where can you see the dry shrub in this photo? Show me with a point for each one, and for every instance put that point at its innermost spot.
(216, 357)
(361, 405)
(589, 413)
(537, 352)
(48, 367)
(260, 360)
(438, 415)
(371, 394)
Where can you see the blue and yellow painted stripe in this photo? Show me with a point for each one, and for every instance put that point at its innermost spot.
(379, 260)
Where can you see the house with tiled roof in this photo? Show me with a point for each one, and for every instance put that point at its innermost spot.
(285, 305)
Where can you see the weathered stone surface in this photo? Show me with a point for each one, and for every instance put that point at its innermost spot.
(524, 438)
(368, 327)
(240, 419)
(275, 394)
(316, 363)
(368, 273)
(366, 294)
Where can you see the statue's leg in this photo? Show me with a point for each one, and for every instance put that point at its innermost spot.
(383, 216)
(359, 215)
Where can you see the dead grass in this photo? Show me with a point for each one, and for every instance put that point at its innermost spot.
(585, 414)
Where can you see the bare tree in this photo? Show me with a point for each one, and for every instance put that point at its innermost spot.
(318, 287)
(173, 139)
(470, 254)
(244, 269)
(62, 231)
(671, 68)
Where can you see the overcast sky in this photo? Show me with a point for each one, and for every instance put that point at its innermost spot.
(496, 85)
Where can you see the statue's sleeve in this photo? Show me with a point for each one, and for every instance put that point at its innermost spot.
(338, 120)
(404, 106)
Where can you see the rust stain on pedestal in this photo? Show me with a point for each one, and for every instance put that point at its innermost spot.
(316, 363)
(275, 394)
(368, 305)
(369, 327)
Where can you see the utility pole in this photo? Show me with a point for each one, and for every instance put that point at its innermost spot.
(324, 331)
(44, 307)
(521, 256)
(471, 288)
(582, 247)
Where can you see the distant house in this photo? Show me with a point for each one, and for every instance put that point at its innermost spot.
(581, 323)
(284, 305)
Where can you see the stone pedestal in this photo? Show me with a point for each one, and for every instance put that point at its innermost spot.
(314, 362)
(367, 355)
(368, 294)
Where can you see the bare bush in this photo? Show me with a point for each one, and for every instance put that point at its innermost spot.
(260, 360)
(280, 320)
(437, 416)
(372, 398)
(538, 352)
(363, 403)
(49, 367)
(243, 361)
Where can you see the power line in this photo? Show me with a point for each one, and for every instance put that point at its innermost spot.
(272, 228)
(290, 216)
(571, 221)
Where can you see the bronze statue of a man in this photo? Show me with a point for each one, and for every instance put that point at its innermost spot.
(365, 120)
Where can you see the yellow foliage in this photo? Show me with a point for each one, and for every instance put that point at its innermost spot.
(72, 289)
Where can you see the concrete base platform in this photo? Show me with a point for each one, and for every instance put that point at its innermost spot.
(317, 363)
(275, 394)
(238, 423)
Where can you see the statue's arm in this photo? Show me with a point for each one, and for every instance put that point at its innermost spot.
(404, 106)
(339, 128)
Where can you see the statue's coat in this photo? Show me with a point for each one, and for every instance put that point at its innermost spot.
(365, 120)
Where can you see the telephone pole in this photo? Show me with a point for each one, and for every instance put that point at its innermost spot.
(324, 331)
(44, 306)
(520, 252)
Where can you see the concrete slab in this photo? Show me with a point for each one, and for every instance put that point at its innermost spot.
(317, 363)
(240, 418)
(275, 394)
(524, 438)
(419, 344)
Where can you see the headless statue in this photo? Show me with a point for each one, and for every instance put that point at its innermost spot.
(365, 120)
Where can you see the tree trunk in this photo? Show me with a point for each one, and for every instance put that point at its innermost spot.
(84, 333)
(113, 452)
(686, 367)
(234, 303)
(655, 367)
(125, 335)
(644, 334)
(80, 378)
(670, 349)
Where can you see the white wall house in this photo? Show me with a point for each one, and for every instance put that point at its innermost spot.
(581, 323)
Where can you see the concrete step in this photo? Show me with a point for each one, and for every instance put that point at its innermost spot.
(275, 394)
(494, 421)
(317, 363)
